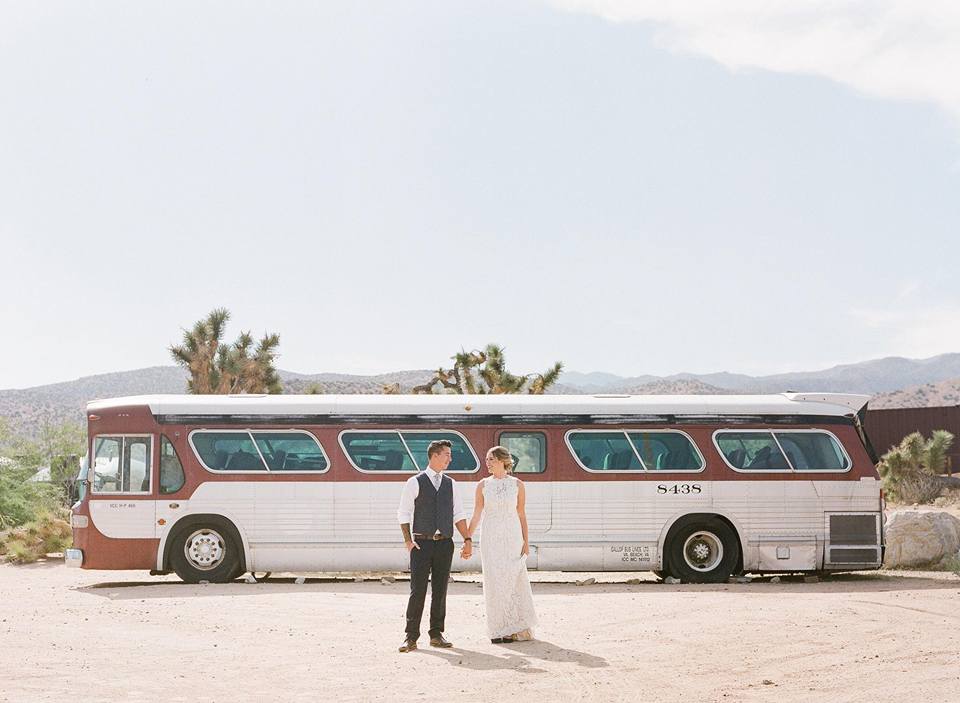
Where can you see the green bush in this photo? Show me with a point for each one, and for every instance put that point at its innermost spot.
(21, 500)
(952, 564)
(30, 542)
(911, 470)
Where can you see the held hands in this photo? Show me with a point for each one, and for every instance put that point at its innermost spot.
(467, 550)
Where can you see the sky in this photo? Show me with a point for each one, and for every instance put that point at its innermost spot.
(630, 187)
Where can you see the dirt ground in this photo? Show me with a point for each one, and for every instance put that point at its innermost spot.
(76, 635)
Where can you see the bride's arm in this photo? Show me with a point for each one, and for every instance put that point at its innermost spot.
(522, 512)
(477, 509)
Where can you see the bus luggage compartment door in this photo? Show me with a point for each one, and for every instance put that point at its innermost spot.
(853, 541)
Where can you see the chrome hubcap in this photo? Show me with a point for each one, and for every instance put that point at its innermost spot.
(703, 551)
(204, 549)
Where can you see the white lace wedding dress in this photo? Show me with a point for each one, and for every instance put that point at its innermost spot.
(506, 587)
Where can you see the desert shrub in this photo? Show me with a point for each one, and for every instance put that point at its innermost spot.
(25, 544)
(921, 488)
(21, 500)
(910, 471)
(952, 564)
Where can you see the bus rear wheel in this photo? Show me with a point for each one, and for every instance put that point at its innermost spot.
(704, 551)
(205, 552)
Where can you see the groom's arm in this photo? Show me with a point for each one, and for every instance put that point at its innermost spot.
(405, 512)
(407, 537)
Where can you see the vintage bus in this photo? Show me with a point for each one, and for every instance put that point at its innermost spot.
(698, 487)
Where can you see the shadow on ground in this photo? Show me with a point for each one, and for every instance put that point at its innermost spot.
(841, 583)
(518, 656)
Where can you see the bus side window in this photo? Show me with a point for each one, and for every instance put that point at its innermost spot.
(752, 450)
(813, 451)
(224, 450)
(171, 470)
(528, 449)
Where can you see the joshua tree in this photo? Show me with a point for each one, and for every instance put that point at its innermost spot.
(485, 372)
(911, 470)
(218, 368)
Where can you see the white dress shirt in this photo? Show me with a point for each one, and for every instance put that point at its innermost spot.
(411, 489)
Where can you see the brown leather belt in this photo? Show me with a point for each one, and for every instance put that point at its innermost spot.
(436, 537)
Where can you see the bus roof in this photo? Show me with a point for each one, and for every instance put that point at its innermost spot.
(829, 404)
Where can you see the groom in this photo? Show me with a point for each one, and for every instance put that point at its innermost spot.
(430, 503)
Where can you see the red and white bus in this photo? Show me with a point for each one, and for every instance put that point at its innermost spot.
(699, 487)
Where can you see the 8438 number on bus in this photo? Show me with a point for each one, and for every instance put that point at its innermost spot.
(679, 489)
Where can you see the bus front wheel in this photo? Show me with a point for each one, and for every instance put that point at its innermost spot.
(205, 552)
(704, 551)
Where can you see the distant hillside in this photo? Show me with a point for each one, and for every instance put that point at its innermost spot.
(678, 387)
(928, 395)
(869, 377)
(29, 409)
(934, 381)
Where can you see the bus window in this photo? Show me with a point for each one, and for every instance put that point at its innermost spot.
(813, 451)
(171, 470)
(377, 451)
(604, 451)
(291, 451)
(463, 458)
(387, 450)
(121, 464)
(226, 451)
(667, 451)
(528, 449)
(751, 451)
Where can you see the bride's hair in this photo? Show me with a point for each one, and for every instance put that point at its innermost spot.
(503, 455)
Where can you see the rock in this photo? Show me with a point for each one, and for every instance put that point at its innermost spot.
(738, 579)
(587, 582)
(775, 579)
(920, 538)
(358, 579)
(811, 579)
(249, 578)
(671, 580)
(634, 582)
(768, 682)
(299, 580)
(386, 580)
(204, 583)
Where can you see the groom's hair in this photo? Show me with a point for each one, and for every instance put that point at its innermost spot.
(437, 446)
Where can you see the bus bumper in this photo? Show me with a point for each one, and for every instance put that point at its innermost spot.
(73, 557)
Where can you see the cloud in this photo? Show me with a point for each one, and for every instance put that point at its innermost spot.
(894, 49)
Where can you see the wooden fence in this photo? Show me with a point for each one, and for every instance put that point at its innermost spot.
(886, 428)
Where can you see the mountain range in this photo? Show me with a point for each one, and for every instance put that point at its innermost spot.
(893, 381)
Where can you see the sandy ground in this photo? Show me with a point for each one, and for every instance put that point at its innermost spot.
(100, 636)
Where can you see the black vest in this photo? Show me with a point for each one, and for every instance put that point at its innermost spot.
(433, 509)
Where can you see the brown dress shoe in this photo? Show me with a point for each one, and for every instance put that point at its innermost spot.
(408, 645)
(439, 641)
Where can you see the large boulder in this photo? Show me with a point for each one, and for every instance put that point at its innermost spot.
(920, 538)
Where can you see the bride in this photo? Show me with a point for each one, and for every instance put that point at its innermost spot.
(503, 551)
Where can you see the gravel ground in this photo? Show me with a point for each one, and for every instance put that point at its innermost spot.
(76, 635)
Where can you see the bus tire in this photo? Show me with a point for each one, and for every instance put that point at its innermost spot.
(205, 551)
(704, 550)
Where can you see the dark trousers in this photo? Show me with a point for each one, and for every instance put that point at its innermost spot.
(434, 557)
